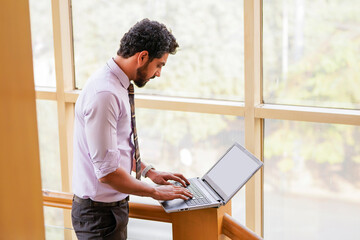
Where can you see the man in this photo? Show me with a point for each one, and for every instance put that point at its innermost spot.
(103, 149)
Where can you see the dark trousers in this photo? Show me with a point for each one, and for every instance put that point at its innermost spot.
(92, 220)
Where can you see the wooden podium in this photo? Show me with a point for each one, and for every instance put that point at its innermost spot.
(199, 224)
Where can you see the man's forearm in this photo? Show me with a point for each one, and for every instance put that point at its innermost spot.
(121, 181)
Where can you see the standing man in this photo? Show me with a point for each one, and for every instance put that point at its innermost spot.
(104, 130)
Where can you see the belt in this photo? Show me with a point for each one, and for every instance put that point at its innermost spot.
(90, 202)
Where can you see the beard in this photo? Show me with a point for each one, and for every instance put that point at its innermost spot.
(141, 73)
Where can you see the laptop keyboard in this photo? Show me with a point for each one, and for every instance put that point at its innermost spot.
(198, 197)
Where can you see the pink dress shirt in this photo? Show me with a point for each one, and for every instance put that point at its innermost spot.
(102, 133)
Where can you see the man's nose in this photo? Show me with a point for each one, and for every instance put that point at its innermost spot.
(158, 73)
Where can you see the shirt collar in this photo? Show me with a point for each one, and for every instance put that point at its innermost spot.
(119, 73)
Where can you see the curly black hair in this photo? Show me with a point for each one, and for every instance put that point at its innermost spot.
(149, 36)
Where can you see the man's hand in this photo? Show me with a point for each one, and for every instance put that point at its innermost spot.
(162, 178)
(170, 192)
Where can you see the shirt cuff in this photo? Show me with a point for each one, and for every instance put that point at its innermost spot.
(108, 165)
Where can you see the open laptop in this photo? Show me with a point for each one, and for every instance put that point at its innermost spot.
(220, 183)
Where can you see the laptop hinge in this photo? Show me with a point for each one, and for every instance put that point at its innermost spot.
(217, 197)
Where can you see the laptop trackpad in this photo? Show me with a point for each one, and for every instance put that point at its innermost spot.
(176, 203)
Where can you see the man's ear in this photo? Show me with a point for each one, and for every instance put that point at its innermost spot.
(142, 58)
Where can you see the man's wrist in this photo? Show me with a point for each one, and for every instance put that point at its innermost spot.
(147, 169)
(155, 194)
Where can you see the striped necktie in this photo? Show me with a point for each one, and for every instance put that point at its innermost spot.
(133, 126)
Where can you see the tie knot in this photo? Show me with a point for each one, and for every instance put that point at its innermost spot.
(131, 88)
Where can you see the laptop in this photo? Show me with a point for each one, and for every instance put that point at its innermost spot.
(220, 183)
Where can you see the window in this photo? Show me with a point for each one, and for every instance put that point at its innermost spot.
(312, 53)
(311, 186)
(187, 142)
(209, 63)
(42, 43)
(49, 144)
(54, 220)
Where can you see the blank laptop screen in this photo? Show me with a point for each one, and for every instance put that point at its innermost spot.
(232, 171)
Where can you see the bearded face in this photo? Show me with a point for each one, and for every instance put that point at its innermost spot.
(142, 75)
(149, 70)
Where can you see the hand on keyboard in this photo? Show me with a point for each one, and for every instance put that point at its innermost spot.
(198, 198)
(164, 178)
(170, 192)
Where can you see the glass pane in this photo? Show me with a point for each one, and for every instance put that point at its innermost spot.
(144, 229)
(42, 43)
(189, 143)
(312, 180)
(49, 144)
(312, 52)
(54, 223)
(209, 63)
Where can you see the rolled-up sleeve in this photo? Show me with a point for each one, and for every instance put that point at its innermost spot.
(100, 129)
